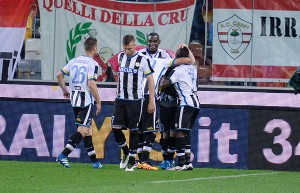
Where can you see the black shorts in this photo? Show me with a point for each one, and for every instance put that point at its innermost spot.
(167, 118)
(185, 117)
(149, 121)
(126, 113)
(83, 115)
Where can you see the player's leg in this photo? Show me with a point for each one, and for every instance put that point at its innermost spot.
(164, 142)
(193, 114)
(119, 122)
(140, 143)
(134, 112)
(89, 146)
(171, 148)
(142, 126)
(167, 118)
(75, 138)
(149, 138)
(150, 124)
(180, 130)
(187, 162)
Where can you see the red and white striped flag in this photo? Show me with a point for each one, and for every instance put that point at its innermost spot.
(13, 18)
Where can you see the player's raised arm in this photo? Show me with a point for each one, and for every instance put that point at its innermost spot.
(191, 55)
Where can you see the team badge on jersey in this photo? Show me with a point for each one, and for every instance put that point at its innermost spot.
(137, 64)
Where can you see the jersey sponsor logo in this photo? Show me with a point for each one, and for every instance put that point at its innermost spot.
(150, 129)
(128, 70)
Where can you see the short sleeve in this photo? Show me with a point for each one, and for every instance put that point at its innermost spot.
(92, 71)
(147, 67)
(167, 62)
(66, 69)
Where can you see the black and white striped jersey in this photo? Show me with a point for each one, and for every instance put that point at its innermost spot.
(159, 54)
(133, 70)
(184, 78)
(80, 70)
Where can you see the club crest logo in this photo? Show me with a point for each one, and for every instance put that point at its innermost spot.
(234, 35)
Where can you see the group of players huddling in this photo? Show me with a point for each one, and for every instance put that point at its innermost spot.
(155, 93)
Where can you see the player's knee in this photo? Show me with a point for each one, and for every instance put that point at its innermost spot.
(180, 134)
(119, 136)
(166, 134)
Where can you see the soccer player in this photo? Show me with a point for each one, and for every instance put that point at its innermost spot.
(184, 79)
(149, 121)
(83, 92)
(167, 104)
(133, 67)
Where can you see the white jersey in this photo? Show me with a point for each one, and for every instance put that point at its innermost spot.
(80, 70)
(131, 78)
(159, 54)
(160, 67)
(160, 61)
(184, 78)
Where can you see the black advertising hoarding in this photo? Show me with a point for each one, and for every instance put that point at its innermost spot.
(273, 140)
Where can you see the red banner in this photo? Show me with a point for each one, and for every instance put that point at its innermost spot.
(14, 13)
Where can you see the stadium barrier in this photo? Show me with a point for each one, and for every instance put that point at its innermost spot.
(224, 135)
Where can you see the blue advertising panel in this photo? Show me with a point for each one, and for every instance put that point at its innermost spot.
(39, 130)
(274, 140)
(220, 138)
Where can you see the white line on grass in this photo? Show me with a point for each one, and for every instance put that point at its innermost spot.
(213, 178)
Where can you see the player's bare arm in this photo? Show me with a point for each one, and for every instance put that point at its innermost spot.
(151, 105)
(164, 82)
(62, 84)
(180, 61)
(94, 91)
(191, 55)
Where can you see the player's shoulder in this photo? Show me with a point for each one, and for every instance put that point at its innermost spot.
(165, 53)
(142, 55)
(143, 50)
(89, 60)
(121, 53)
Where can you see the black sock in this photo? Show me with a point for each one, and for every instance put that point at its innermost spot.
(133, 144)
(145, 156)
(88, 143)
(74, 140)
(121, 140)
(188, 139)
(180, 149)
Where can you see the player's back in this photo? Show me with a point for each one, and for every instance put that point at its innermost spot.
(185, 77)
(81, 69)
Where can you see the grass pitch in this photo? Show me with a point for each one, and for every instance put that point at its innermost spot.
(52, 177)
